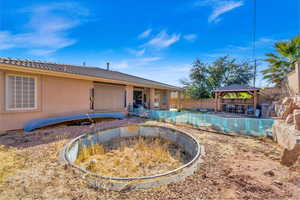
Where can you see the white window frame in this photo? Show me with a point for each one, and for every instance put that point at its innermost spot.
(7, 89)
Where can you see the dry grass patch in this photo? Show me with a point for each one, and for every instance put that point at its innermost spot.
(134, 157)
(11, 161)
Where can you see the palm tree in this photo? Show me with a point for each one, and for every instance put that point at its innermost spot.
(288, 52)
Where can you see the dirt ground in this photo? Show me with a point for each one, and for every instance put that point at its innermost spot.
(233, 168)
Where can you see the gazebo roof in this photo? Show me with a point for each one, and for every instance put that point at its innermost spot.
(236, 88)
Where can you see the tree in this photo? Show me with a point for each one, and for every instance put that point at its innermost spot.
(204, 78)
(283, 61)
(196, 87)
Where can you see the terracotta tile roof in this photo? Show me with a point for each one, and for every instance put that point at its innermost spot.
(84, 70)
(236, 87)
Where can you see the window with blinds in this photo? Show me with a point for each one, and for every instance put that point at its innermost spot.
(20, 92)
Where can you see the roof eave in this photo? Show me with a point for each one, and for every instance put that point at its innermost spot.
(245, 90)
(82, 77)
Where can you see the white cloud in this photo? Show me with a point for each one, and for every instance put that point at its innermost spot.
(190, 37)
(163, 40)
(265, 42)
(145, 34)
(219, 7)
(238, 48)
(137, 52)
(261, 43)
(135, 62)
(149, 59)
(5, 40)
(121, 65)
(41, 52)
(47, 28)
(242, 51)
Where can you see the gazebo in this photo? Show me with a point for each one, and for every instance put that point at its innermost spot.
(222, 103)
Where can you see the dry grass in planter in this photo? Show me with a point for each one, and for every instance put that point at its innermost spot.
(134, 157)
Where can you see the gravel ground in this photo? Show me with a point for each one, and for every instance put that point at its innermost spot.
(233, 168)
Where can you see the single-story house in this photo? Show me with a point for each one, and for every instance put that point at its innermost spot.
(33, 90)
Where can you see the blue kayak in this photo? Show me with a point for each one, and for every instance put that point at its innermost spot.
(38, 123)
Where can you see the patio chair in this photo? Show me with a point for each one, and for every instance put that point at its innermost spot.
(231, 108)
(239, 109)
(225, 108)
(203, 110)
(250, 110)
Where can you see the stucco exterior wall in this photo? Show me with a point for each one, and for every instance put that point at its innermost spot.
(65, 95)
(294, 80)
(129, 95)
(55, 97)
(151, 97)
(1, 98)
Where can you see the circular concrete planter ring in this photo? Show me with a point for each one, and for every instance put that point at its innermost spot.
(182, 138)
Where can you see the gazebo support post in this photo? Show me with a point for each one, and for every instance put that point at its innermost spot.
(255, 101)
(220, 108)
(216, 101)
(179, 100)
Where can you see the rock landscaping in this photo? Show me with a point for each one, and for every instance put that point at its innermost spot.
(286, 130)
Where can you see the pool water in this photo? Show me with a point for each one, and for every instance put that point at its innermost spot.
(246, 126)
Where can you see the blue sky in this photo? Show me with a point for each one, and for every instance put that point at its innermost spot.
(154, 39)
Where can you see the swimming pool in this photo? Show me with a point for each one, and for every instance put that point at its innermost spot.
(245, 126)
